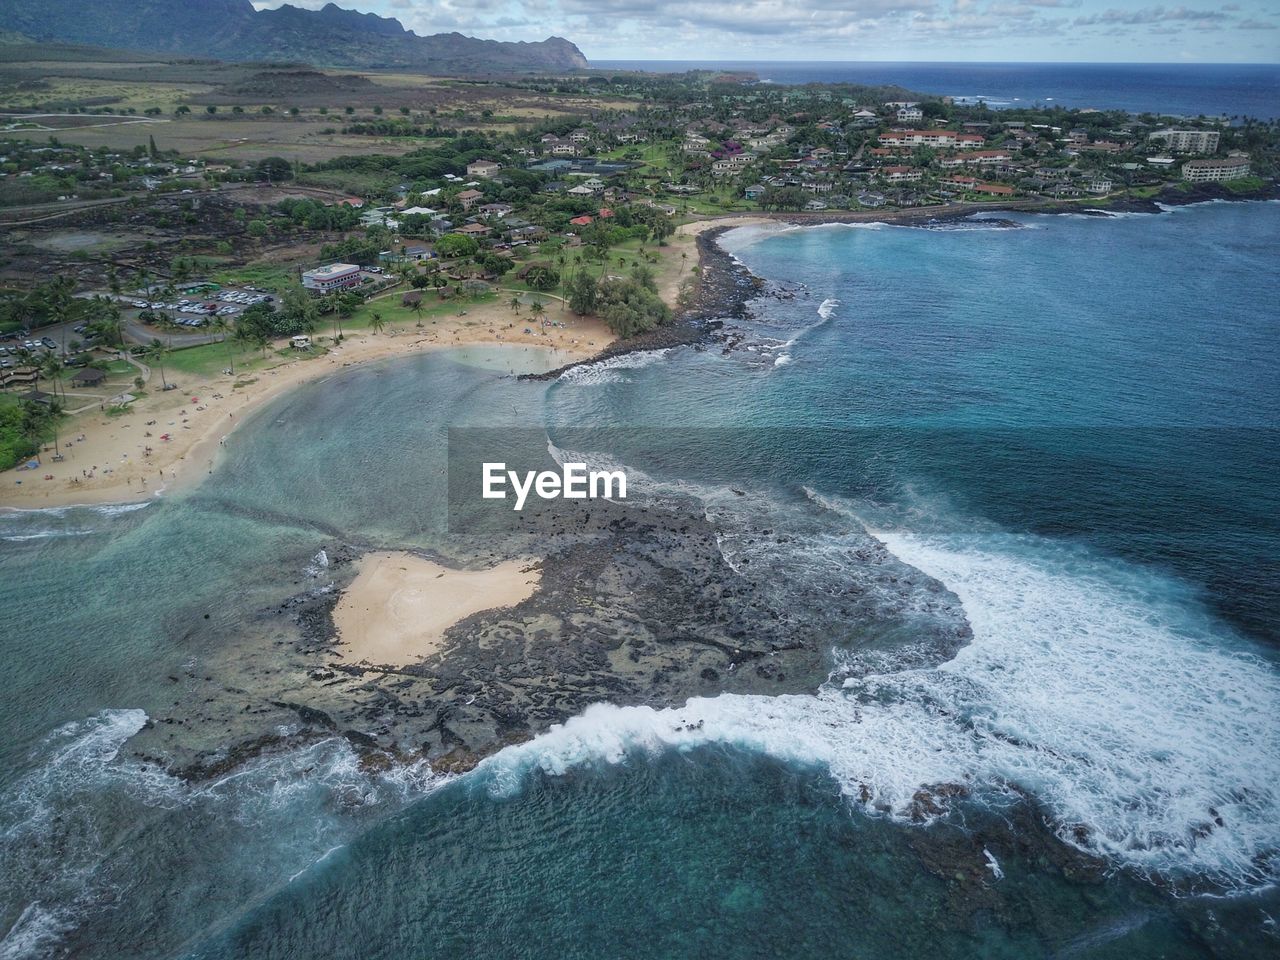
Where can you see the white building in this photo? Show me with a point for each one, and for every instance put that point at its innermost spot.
(335, 276)
(483, 168)
(1214, 171)
(910, 115)
(1188, 141)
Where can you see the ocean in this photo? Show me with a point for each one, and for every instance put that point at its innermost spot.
(1178, 89)
(1066, 425)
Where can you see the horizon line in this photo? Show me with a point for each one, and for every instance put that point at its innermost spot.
(1134, 63)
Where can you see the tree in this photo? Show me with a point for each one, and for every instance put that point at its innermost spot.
(376, 323)
(514, 304)
(274, 169)
(582, 293)
(256, 229)
(51, 369)
(457, 245)
(539, 311)
(33, 424)
(155, 354)
(299, 307)
(542, 276)
(220, 324)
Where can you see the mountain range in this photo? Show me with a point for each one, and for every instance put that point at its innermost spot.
(234, 30)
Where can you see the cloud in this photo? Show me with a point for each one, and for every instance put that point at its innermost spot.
(1151, 15)
(835, 29)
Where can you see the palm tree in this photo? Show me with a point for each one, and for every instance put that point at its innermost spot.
(514, 304)
(376, 323)
(35, 418)
(155, 353)
(144, 284)
(221, 326)
(539, 311)
(51, 369)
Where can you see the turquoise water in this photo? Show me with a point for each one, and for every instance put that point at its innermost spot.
(1069, 425)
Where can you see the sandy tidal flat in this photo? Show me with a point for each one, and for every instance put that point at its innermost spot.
(399, 605)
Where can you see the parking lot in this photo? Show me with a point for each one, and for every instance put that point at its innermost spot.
(35, 344)
(197, 310)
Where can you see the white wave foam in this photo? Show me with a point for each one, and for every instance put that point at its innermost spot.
(828, 307)
(45, 535)
(60, 821)
(1144, 732)
(34, 933)
(103, 509)
(609, 370)
(782, 359)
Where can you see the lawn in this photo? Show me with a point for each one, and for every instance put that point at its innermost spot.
(401, 317)
(210, 359)
(268, 276)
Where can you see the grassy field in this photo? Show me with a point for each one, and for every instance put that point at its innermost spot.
(227, 137)
(211, 359)
(263, 276)
(398, 317)
(118, 94)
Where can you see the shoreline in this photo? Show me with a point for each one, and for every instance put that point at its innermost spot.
(114, 451)
(725, 286)
(722, 290)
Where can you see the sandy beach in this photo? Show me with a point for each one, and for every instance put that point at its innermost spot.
(123, 459)
(399, 605)
(107, 460)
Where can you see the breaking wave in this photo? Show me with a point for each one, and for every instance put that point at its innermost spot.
(1144, 732)
(62, 820)
(610, 370)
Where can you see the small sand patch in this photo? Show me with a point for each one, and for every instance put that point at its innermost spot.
(399, 605)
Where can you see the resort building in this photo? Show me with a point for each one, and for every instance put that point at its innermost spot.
(1188, 141)
(900, 174)
(932, 138)
(1214, 171)
(335, 276)
(918, 138)
(910, 114)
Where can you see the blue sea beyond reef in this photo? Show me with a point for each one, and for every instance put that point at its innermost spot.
(1068, 424)
(1179, 89)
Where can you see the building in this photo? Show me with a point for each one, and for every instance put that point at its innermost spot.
(900, 174)
(468, 198)
(88, 377)
(755, 191)
(1188, 141)
(1215, 171)
(1099, 185)
(931, 138)
(335, 276)
(300, 342)
(980, 157)
(910, 114)
(483, 168)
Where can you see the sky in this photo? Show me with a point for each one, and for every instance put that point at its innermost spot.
(1247, 31)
